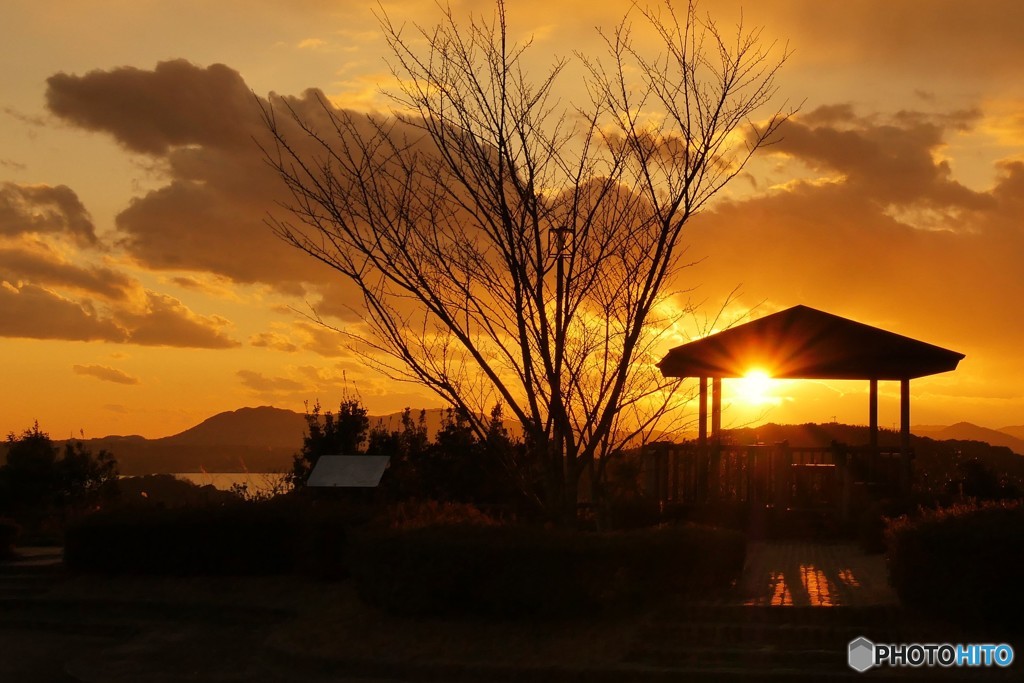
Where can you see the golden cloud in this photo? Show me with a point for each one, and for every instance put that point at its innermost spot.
(105, 373)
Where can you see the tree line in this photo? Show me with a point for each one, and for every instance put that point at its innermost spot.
(456, 465)
(43, 485)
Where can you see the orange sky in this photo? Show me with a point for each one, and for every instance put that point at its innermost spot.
(141, 291)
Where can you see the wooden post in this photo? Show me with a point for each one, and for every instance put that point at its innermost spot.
(873, 413)
(784, 468)
(716, 408)
(702, 413)
(905, 416)
(674, 456)
(904, 483)
(714, 455)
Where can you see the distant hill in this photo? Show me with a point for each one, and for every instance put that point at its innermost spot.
(263, 427)
(261, 439)
(264, 439)
(965, 431)
(1016, 432)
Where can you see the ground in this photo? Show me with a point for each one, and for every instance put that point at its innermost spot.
(57, 627)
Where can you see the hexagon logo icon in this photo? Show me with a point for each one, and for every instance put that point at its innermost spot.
(862, 654)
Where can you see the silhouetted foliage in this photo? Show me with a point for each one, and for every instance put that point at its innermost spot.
(417, 514)
(407, 448)
(242, 538)
(461, 467)
(279, 536)
(343, 433)
(456, 466)
(963, 562)
(40, 480)
(9, 532)
(167, 490)
(977, 479)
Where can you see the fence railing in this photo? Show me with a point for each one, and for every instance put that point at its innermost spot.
(780, 475)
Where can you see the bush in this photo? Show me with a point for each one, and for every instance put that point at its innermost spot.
(874, 520)
(419, 514)
(962, 563)
(9, 532)
(516, 571)
(276, 536)
(240, 538)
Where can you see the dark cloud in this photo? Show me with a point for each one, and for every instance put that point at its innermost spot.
(151, 112)
(107, 374)
(29, 311)
(203, 125)
(45, 210)
(44, 267)
(886, 161)
(168, 322)
(33, 312)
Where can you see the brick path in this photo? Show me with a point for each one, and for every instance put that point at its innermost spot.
(813, 575)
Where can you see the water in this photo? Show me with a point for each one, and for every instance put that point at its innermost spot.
(257, 482)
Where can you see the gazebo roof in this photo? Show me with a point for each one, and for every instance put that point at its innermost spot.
(805, 343)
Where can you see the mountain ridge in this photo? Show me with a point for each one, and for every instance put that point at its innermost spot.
(967, 431)
(264, 439)
(248, 439)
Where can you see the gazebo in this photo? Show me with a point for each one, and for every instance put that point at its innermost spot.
(805, 343)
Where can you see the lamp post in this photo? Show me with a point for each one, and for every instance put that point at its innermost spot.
(560, 245)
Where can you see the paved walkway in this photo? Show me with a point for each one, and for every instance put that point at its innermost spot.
(795, 574)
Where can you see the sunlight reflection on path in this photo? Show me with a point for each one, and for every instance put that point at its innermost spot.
(808, 574)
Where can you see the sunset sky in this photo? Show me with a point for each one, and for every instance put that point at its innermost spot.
(141, 290)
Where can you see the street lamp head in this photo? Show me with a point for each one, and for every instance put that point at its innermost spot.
(561, 241)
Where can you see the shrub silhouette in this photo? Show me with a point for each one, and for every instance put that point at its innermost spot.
(962, 563)
(40, 481)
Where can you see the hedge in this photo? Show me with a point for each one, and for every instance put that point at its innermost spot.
(515, 571)
(9, 532)
(962, 563)
(243, 538)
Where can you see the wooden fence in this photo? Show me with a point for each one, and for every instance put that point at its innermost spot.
(778, 475)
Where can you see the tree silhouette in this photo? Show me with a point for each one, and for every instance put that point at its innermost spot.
(38, 480)
(511, 248)
(327, 433)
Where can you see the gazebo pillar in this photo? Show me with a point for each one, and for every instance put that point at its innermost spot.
(716, 409)
(716, 438)
(702, 413)
(873, 413)
(905, 416)
(905, 455)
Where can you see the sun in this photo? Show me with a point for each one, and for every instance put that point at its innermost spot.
(754, 388)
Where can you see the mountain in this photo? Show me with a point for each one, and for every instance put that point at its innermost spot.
(264, 439)
(263, 427)
(261, 439)
(965, 431)
(1016, 432)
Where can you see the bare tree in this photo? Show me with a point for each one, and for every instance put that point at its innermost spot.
(510, 248)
